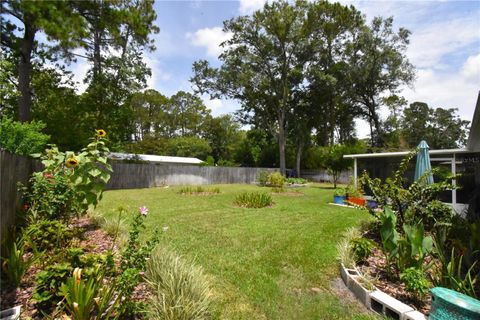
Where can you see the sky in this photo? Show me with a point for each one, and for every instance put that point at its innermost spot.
(444, 47)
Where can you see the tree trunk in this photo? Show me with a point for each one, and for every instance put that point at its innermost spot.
(281, 143)
(25, 73)
(299, 158)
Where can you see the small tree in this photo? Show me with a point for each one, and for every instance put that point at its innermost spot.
(333, 160)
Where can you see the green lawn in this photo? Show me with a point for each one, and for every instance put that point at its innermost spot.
(263, 262)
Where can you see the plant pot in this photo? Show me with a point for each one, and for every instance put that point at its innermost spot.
(339, 199)
(358, 201)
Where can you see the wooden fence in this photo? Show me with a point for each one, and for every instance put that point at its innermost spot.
(134, 175)
(13, 169)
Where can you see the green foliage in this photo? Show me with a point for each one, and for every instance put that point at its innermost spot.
(22, 138)
(133, 261)
(414, 247)
(263, 178)
(181, 290)
(253, 200)
(198, 190)
(334, 161)
(362, 248)
(415, 281)
(94, 298)
(15, 263)
(413, 203)
(51, 196)
(48, 235)
(276, 180)
(344, 247)
(441, 128)
(341, 192)
(188, 147)
(70, 183)
(48, 282)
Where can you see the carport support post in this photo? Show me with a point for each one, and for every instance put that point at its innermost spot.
(355, 171)
(454, 181)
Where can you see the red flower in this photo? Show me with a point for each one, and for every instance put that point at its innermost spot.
(48, 175)
(26, 207)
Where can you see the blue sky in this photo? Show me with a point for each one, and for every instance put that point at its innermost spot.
(445, 47)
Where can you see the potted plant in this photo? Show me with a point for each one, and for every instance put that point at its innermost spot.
(339, 196)
(355, 195)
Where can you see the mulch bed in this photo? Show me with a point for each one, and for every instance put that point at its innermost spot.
(289, 193)
(92, 239)
(375, 266)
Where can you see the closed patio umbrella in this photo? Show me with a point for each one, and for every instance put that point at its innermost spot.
(423, 163)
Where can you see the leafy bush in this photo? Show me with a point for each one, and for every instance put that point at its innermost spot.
(412, 203)
(253, 200)
(362, 248)
(48, 235)
(22, 138)
(415, 281)
(263, 178)
(180, 289)
(339, 192)
(276, 180)
(51, 196)
(278, 190)
(48, 282)
(69, 183)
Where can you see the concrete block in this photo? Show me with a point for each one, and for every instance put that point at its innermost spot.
(413, 315)
(359, 291)
(388, 305)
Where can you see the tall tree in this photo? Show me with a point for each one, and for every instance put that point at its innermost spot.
(261, 66)
(379, 65)
(189, 114)
(21, 22)
(441, 128)
(223, 134)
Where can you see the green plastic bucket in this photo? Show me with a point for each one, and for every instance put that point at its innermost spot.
(448, 304)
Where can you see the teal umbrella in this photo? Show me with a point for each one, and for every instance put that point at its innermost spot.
(423, 163)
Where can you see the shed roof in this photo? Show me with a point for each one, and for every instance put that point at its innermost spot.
(154, 158)
(473, 142)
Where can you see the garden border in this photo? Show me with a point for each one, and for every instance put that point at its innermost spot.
(377, 300)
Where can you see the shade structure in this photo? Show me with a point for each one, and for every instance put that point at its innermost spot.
(423, 163)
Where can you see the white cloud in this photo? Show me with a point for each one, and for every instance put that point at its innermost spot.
(430, 44)
(210, 38)
(471, 69)
(159, 74)
(249, 6)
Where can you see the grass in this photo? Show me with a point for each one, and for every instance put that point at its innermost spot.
(263, 262)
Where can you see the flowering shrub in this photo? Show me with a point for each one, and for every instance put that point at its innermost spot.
(69, 183)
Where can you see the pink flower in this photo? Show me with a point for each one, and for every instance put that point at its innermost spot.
(141, 273)
(143, 210)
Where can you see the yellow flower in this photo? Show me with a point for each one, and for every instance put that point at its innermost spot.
(77, 273)
(75, 306)
(71, 162)
(101, 133)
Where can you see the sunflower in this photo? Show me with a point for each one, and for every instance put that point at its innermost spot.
(71, 162)
(101, 133)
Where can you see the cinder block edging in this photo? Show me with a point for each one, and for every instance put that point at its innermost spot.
(377, 300)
